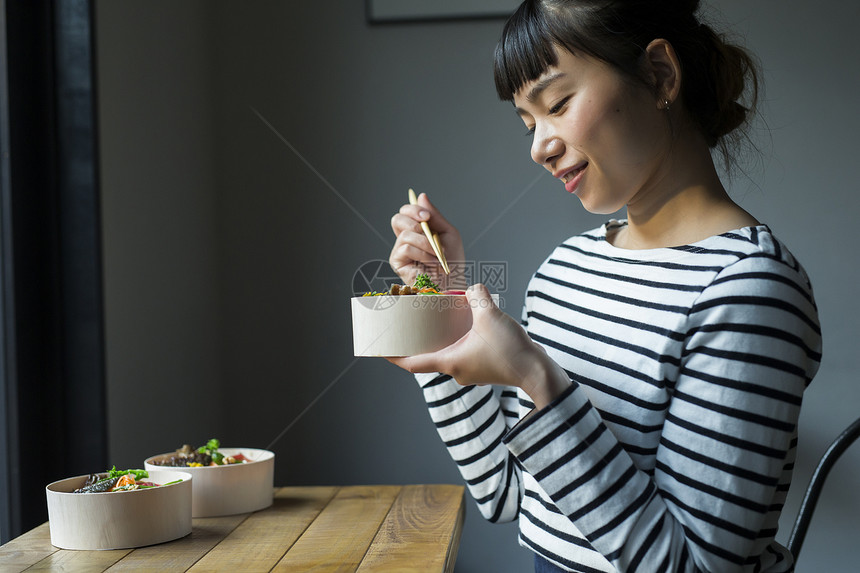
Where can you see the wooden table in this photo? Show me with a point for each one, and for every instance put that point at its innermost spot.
(350, 528)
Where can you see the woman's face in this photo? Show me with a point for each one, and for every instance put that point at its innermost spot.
(603, 137)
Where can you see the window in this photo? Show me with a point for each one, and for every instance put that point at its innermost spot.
(52, 391)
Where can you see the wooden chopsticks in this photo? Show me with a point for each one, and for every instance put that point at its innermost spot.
(431, 236)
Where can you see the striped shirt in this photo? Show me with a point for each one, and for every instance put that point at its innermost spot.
(672, 450)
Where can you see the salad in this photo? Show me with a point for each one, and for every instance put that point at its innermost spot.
(118, 480)
(422, 285)
(206, 455)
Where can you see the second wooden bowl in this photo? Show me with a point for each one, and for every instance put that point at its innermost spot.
(119, 520)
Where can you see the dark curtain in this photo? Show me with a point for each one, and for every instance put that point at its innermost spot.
(52, 371)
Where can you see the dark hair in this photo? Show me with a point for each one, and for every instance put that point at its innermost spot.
(715, 73)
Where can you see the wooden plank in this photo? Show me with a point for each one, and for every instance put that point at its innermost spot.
(70, 561)
(339, 537)
(421, 532)
(260, 541)
(356, 528)
(27, 549)
(182, 553)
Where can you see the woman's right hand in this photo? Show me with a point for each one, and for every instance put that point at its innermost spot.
(412, 253)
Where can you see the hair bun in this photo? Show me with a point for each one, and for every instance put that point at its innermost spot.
(686, 7)
(726, 72)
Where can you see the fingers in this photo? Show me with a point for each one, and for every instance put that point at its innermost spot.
(479, 296)
(481, 302)
(411, 247)
(412, 255)
(449, 236)
(446, 360)
(410, 217)
(436, 221)
(442, 361)
(416, 364)
(412, 252)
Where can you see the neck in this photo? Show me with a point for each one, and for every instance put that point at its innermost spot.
(687, 204)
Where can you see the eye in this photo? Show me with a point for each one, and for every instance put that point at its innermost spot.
(530, 131)
(557, 107)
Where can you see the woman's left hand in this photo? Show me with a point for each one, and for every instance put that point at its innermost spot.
(495, 351)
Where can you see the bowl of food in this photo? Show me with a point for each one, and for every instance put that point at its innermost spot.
(227, 481)
(409, 319)
(119, 509)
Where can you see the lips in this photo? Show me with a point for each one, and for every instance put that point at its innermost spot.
(571, 177)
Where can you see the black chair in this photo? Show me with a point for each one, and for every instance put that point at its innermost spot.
(816, 483)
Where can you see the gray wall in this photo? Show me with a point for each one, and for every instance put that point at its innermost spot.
(252, 155)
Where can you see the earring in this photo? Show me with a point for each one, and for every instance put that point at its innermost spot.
(666, 104)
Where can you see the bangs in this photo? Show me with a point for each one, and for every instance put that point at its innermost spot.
(524, 52)
(535, 33)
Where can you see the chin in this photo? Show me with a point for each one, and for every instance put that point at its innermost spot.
(596, 209)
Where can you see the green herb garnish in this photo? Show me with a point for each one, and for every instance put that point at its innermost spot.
(137, 474)
(211, 448)
(423, 281)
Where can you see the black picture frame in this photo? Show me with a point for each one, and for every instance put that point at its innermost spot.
(401, 11)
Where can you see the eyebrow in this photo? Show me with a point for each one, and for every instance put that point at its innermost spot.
(540, 86)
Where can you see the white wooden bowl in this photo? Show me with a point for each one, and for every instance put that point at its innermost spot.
(119, 520)
(228, 489)
(405, 325)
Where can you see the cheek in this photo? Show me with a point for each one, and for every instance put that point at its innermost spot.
(593, 119)
(636, 137)
(606, 126)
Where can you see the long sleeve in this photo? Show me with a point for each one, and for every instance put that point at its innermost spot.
(724, 454)
(471, 422)
(673, 448)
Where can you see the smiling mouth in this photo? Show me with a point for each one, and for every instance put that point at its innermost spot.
(568, 177)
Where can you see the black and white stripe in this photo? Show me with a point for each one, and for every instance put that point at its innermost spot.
(673, 448)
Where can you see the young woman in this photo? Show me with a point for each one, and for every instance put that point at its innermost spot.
(648, 404)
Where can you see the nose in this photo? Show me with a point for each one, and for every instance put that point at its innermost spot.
(546, 147)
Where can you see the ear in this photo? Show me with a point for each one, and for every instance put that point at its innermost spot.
(665, 70)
